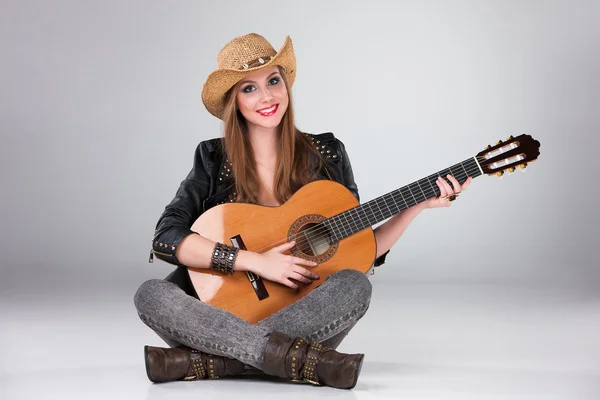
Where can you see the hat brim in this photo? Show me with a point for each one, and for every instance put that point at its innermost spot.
(220, 81)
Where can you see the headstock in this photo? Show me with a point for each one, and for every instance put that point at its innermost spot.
(509, 155)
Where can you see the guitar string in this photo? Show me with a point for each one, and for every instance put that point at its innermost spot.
(323, 229)
(396, 196)
(352, 220)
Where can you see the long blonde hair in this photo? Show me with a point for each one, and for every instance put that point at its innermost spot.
(294, 149)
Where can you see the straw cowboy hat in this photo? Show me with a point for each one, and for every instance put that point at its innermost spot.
(239, 57)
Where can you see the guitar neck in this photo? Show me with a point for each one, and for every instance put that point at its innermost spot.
(381, 208)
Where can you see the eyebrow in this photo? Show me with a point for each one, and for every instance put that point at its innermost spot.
(274, 73)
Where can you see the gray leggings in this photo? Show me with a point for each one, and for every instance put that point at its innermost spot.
(324, 315)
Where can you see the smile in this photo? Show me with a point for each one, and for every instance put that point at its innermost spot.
(267, 112)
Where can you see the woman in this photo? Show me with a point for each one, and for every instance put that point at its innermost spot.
(262, 159)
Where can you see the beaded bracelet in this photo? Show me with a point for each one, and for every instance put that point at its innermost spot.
(223, 258)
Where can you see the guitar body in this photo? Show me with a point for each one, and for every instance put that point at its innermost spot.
(261, 228)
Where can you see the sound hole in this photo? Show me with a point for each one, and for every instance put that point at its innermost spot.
(312, 239)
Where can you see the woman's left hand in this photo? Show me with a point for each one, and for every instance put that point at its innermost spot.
(446, 190)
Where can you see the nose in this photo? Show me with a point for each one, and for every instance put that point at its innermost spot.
(266, 96)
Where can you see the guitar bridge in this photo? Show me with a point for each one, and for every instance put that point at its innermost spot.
(256, 281)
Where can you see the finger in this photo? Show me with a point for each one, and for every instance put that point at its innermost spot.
(302, 261)
(467, 183)
(449, 190)
(305, 272)
(300, 278)
(283, 247)
(289, 284)
(441, 186)
(456, 186)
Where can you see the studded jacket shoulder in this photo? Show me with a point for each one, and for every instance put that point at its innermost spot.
(209, 183)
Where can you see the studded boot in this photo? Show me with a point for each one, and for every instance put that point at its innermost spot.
(302, 361)
(184, 363)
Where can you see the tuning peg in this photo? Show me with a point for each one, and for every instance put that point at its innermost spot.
(523, 166)
(500, 173)
(511, 169)
(499, 142)
(510, 137)
(488, 147)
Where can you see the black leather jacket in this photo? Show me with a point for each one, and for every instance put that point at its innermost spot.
(210, 183)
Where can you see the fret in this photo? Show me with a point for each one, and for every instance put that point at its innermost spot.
(363, 222)
(380, 212)
(332, 234)
(385, 201)
(386, 213)
(337, 224)
(351, 222)
(455, 175)
(403, 199)
(474, 165)
(413, 191)
(388, 204)
(368, 204)
(471, 165)
(395, 204)
(432, 188)
(360, 223)
(403, 191)
(422, 190)
(466, 173)
(372, 212)
(355, 223)
(389, 212)
(362, 208)
(372, 218)
(340, 234)
(355, 220)
(347, 226)
(373, 209)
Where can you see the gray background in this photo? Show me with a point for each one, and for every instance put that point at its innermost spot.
(101, 113)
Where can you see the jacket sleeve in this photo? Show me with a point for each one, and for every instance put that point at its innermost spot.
(348, 176)
(175, 222)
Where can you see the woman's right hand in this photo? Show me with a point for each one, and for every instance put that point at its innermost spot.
(278, 267)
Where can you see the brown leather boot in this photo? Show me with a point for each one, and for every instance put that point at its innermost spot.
(310, 362)
(184, 363)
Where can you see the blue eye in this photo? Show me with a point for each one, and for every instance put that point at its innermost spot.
(276, 80)
(248, 89)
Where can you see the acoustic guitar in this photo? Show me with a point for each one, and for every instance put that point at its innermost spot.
(329, 226)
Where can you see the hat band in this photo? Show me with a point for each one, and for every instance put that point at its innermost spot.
(256, 63)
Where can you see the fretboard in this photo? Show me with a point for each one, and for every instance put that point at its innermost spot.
(377, 210)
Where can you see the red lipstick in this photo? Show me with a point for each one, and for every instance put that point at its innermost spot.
(271, 110)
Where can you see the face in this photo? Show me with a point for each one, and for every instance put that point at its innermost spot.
(262, 98)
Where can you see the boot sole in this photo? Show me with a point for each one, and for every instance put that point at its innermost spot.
(358, 368)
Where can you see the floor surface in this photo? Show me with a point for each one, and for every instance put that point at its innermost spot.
(421, 340)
